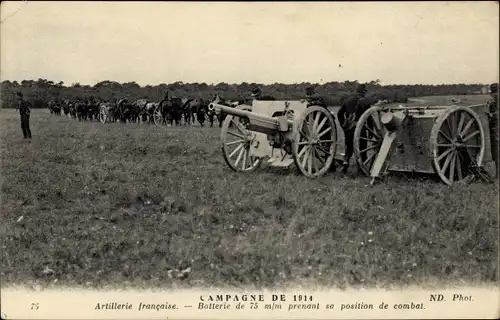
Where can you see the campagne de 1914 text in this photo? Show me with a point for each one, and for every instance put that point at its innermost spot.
(276, 302)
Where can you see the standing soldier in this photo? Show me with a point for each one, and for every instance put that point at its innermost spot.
(257, 95)
(24, 111)
(493, 119)
(349, 113)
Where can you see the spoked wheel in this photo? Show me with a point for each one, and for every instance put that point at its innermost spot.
(103, 114)
(236, 141)
(457, 144)
(368, 137)
(157, 116)
(315, 142)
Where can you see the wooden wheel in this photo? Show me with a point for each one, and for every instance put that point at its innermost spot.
(103, 114)
(456, 144)
(315, 141)
(368, 137)
(236, 140)
(157, 116)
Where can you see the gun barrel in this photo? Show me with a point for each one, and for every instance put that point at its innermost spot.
(258, 122)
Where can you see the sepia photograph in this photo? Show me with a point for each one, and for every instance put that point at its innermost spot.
(249, 147)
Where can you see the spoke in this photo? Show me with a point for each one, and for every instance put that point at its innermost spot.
(452, 168)
(453, 124)
(301, 153)
(321, 124)
(324, 132)
(236, 150)
(444, 135)
(443, 154)
(373, 132)
(370, 157)
(235, 134)
(239, 157)
(303, 164)
(368, 139)
(448, 145)
(376, 120)
(467, 126)
(234, 142)
(318, 156)
(448, 125)
(315, 124)
(321, 148)
(310, 162)
(302, 143)
(369, 148)
(461, 122)
(238, 126)
(472, 146)
(459, 166)
(245, 156)
(446, 164)
(471, 135)
(315, 161)
(325, 141)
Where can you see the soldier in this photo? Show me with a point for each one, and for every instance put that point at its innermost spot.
(314, 98)
(493, 119)
(349, 113)
(24, 111)
(257, 95)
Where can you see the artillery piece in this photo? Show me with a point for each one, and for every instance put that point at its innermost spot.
(449, 141)
(286, 132)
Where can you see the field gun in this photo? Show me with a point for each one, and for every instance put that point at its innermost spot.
(448, 141)
(286, 132)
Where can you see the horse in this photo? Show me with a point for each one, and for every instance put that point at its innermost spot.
(171, 110)
(222, 115)
(140, 107)
(198, 108)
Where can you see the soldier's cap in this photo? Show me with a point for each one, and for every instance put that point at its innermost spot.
(310, 90)
(494, 87)
(256, 92)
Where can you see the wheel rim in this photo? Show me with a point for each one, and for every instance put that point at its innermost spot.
(368, 137)
(157, 116)
(315, 142)
(236, 142)
(456, 136)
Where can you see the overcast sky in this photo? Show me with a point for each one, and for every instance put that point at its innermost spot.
(164, 42)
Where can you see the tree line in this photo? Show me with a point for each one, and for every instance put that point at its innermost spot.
(40, 92)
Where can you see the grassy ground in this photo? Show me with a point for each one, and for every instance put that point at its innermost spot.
(87, 204)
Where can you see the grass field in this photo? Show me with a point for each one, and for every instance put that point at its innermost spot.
(93, 205)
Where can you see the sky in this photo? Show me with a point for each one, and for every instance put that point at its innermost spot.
(262, 42)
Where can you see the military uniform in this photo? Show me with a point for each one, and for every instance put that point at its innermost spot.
(493, 114)
(24, 111)
(349, 113)
(315, 99)
(257, 95)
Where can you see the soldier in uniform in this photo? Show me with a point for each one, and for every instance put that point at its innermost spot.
(257, 95)
(493, 119)
(24, 111)
(349, 113)
(314, 98)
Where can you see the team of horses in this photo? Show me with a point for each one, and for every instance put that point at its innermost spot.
(168, 111)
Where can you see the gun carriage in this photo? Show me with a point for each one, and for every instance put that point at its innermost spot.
(286, 132)
(451, 142)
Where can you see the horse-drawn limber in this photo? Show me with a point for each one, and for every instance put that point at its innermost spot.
(449, 141)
